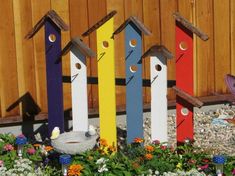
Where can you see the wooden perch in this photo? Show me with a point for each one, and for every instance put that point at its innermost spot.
(190, 26)
(194, 101)
(158, 49)
(54, 17)
(99, 23)
(78, 43)
(136, 22)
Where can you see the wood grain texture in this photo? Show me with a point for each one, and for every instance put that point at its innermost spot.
(151, 18)
(62, 9)
(24, 48)
(95, 6)
(222, 43)
(205, 70)
(119, 41)
(168, 7)
(39, 9)
(232, 35)
(8, 63)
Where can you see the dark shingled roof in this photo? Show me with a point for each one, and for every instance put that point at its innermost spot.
(194, 101)
(158, 49)
(190, 26)
(99, 23)
(52, 15)
(78, 43)
(138, 24)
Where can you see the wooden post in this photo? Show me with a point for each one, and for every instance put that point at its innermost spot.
(158, 66)
(78, 53)
(53, 26)
(184, 74)
(106, 77)
(134, 97)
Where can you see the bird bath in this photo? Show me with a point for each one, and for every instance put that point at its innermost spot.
(73, 142)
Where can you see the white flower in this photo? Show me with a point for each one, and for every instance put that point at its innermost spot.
(103, 169)
(101, 161)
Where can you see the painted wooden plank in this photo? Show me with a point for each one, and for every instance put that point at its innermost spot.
(106, 79)
(167, 7)
(151, 11)
(94, 7)
(184, 81)
(8, 63)
(119, 46)
(205, 57)
(159, 116)
(79, 90)
(54, 77)
(24, 48)
(134, 93)
(222, 43)
(38, 10)
(62, 8)
(232, 35)
(78, 24)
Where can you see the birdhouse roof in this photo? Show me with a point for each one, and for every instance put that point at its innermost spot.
(54, 17)
(79, 44)
(99, 23)
(190, 26)
(189, 98)
(158, 49)
(136, 22)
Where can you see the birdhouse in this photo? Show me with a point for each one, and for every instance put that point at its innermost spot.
(78, 53)
(187, 102)
(133, 63)
(158, 73)
(184, 73)
(53, 26)
(106, 77)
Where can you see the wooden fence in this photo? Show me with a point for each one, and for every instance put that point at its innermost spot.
(22, 62)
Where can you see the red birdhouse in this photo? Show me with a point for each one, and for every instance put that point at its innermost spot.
(184, 74)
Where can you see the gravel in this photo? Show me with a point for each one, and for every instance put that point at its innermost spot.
(210, 132)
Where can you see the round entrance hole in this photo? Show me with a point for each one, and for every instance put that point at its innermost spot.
(184, 111)
(133, 68)
(105, 44)
(158, 67)
(183, 45)
(133, 43)
(52, 38)
(78, 66)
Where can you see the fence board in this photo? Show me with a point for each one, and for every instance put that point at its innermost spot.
(222, 43)
(205, 63)
(232, 35)
(214, 58)
(95, 6)
(119, 41)
(62, 8)
(168, 7)
(151, 16)
(24, 48)
(38, 10)
(8, 64)
(78, 25)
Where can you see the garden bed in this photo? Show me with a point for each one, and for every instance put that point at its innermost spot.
(212, 137)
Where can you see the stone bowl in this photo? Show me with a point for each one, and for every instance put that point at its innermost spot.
(73, 142)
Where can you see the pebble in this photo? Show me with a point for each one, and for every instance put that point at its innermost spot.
(217, 139)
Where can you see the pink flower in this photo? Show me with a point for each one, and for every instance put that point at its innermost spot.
(156, 142)
(31, 151)
(204, 167)
(163, 147)
(21, 136)
(8, 147)
(233, 172)
(1, 163)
